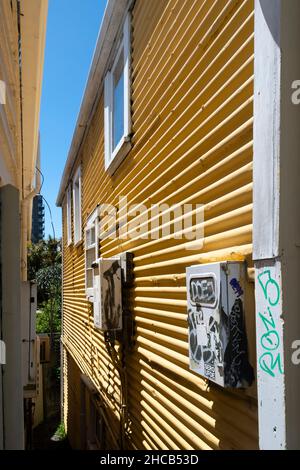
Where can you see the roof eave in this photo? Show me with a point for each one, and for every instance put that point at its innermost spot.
(33, 38)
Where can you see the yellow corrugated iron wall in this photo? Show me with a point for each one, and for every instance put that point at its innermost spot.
(71, 377)
(192, 99)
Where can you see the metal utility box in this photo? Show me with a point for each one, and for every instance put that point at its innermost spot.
(2, 353)
(217, 334)
(28, 332)
(107, 294)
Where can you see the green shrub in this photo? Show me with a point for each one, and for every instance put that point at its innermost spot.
(48, 317)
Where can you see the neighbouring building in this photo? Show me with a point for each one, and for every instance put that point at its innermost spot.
(22, 42)
(38, 219)
(181, 230)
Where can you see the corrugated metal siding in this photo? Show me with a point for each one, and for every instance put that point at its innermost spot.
(192, 119)
(71, 377)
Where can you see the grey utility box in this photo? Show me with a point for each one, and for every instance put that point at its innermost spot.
(217, 333)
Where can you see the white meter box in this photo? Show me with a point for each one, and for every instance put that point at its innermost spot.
(218, 347)
(107, 294)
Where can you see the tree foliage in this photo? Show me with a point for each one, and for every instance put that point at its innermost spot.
(44, 266)
(48, 319)
(49, 281)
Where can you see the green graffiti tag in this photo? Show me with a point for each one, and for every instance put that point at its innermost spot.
(268, 284)
(270, 360)
(269, 368)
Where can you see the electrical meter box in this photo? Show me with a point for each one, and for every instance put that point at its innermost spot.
(218, 348)
(107, 294)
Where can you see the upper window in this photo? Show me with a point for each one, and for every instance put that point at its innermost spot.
(91, 253)
(77, 207)
(69, 214)
(117, 112)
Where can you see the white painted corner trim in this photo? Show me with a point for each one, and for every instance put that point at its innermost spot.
(276, 222)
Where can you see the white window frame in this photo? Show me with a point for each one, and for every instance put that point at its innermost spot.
(69, 215)
(77, 222)
(113, 158)
(92, 223)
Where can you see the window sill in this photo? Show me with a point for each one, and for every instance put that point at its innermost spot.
(119, 154)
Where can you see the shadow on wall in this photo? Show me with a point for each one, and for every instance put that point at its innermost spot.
(180, 417)
(96, 426)
(175, 410)
(273, 21)
(51, 381)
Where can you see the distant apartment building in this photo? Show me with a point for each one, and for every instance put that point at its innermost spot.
(38, 219)
(22, 43)
(173, 341)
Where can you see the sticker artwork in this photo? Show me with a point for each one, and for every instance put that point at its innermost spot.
(237, 369)
(218, 347)
(236, 287)
(209, 349)
(112, 312)
(225, 348)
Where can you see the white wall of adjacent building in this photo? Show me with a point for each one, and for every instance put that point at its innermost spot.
(21, 70)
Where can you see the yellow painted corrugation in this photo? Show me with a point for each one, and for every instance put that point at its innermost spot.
(158, 400)
(201, 405)
(184, 406)
(166, 64)
(65, 379)
(192, 94)
(77, 365)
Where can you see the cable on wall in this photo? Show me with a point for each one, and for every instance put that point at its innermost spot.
(45, 200)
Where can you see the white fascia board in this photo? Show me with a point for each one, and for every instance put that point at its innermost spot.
(114, 16)
(33, 37)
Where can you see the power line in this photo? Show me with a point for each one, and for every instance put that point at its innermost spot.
(50, 212)
(44, 199)
(43, 179)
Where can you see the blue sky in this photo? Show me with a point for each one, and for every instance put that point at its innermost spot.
(72, 31)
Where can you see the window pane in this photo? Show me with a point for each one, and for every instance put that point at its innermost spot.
(69, 216)
(90, 257)
(89, 278)
(118, 107)
(93, 235)
(90, 237)
(77, 211)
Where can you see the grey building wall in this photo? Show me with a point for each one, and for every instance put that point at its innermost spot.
(12, 385)
(38, 219)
